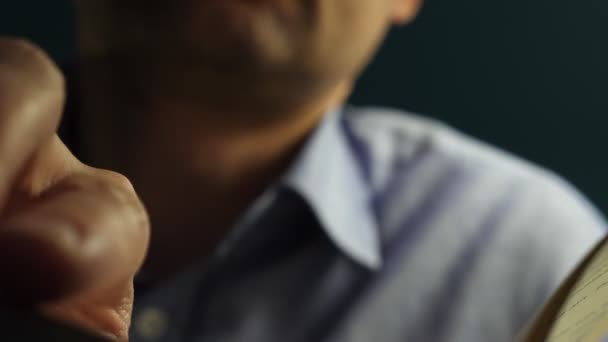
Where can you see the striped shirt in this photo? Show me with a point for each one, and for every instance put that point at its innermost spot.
(387, 228)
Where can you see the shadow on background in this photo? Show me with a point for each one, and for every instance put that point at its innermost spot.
(527, 75)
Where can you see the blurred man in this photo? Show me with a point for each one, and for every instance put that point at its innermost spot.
(277, 213)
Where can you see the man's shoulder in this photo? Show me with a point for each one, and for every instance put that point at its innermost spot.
(394, 137)
(423, 164)
(397, 134)
(505, 229)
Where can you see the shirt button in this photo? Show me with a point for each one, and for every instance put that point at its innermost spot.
(151, 324)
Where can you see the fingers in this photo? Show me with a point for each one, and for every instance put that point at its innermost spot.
(31, 101)
(85, 235)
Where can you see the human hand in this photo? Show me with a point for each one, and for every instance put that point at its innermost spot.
(71, 236)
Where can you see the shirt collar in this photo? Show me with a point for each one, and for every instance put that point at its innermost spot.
(330, 178)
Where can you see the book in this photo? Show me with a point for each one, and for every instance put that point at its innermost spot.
(578, 310)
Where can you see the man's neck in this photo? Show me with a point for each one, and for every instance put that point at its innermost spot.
(195, 172)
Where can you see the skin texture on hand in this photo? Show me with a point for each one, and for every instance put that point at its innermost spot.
(71, 236)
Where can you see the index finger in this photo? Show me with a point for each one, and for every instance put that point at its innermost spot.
(32, 95)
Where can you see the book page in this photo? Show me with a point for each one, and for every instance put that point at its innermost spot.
(584, 315)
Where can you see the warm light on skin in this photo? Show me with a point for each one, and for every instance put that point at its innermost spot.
(210, 113)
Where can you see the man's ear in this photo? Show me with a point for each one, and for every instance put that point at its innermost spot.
(404, 11)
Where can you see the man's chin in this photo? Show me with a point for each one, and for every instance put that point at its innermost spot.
(239, 34)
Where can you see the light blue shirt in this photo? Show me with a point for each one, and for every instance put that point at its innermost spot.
(387, 228)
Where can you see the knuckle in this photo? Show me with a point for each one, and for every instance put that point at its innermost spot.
(107, 185)
(119, 188)
(135, 213)
(24, 65)
(32, 91)
(118, 180)
(121, 192)
(20, 53)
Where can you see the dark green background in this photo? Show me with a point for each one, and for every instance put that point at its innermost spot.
(527, 75)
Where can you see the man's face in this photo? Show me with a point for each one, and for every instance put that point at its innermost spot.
(269, 46)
